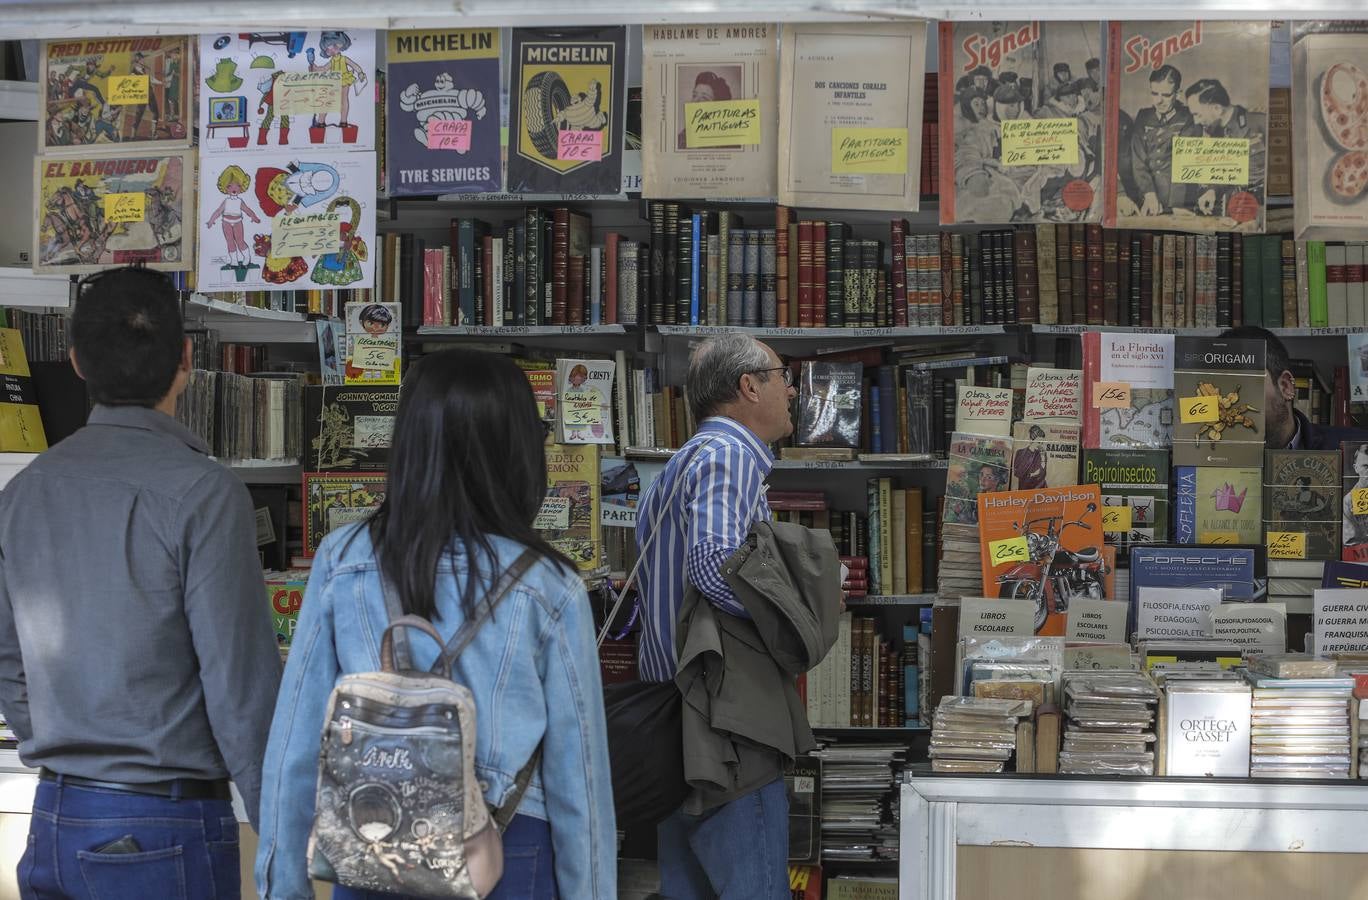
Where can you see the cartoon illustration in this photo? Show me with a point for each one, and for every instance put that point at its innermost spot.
(375, 318)
(332, 45)
(278, 269)
(344, 266)
(78, 108)
(299, 184)
(231, 183)
(266, 108)
(443, 102)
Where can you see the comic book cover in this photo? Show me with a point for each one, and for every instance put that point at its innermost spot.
(1044, 454)
(1330, 135)
(1353, 504)
(442, 123)
(1046, 545)
(348, 428)
(286, 221)
(1302, 496)
(977, 464)
(285, 594)
(1187, 125)
(1141, 367)
(332, 500)
(1021, 105)
(97, 212)
(850, 114)
(1135, 495)
(131, 91)
(567, 109)
(1218, 385)
(267, 90)
(569, 516)
(1218, 505)
(709, 110)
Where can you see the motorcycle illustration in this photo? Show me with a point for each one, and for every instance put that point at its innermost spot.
(1053, 576)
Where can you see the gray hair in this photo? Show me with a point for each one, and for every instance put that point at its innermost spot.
(715, 371)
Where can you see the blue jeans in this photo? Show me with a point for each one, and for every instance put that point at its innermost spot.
(529, 866)
(735, 852)
(188, 849)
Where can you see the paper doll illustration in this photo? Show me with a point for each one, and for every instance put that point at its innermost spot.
(232, 183)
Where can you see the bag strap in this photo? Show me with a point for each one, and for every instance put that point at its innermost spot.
(467, 632)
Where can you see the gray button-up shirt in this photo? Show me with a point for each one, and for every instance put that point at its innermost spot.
(135, 640)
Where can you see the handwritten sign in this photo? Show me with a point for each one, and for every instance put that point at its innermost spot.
(1116, 518)
(1009, 550)
(1358, 498)
(722, 123)
(1102, 621)
(985, 617)
(1286, 544)
(1054, 395)
(131, 207)
(127, 90)
(449, 134)
(1111, 395)
(1218, 537)
(1199, 409)
(1040, 142)
(584, 146)
(306, 234)
(869, 151)
(374, 353)
(554, 514)
(308, 93)
(582, 408)
(372, 432)
(1204, 160)
(983, 410)
(1340, 621)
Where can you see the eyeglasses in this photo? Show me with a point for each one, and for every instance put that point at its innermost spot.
(787, 373)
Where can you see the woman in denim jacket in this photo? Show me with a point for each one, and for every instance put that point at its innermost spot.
(467, 475)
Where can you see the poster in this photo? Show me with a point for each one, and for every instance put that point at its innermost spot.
(287, 221)
(442, 112)
(97, 212)
(131, 91)
(263, 90)
(566, 110)
(1330, 134)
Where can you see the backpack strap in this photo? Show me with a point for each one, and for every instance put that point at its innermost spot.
(398, 636)
(467, 631)
(504, 814)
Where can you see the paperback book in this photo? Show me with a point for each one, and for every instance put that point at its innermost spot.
(1133, 408)
(569, 516)
(978, 464)
(1217, 505)
(1135, 495)
(1044, 454)
(829, 397)
(1302, 497)
(1354, 502)
(332, 500)
(348, 428)
(584, 393)
(1219, 388)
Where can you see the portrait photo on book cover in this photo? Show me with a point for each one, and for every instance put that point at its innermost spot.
(709, 83)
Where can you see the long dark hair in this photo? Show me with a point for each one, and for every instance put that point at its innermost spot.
(467, 461)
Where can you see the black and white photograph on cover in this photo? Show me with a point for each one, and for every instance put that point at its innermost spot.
(705, 84)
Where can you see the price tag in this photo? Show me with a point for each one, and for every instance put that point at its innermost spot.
(722, 123)
(374, 353)
(584, 146)
(449, 134)
(1218, 537)
(869, 151)
(131, 207)
(1116, 518)
(554, 514)
(1205, 160)
(1040, 142)
(1009, 550)
(1111, 395)
(1358, 499)
(306, 234)
(308, 93)
(127, 90)
(1286, 544)
(1199, 409)
(372, 432)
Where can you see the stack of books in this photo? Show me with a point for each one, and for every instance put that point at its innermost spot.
(859, 800)
(1300, 726)
(1110, 727)
(975, 734)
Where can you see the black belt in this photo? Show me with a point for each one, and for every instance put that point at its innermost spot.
(183, 788)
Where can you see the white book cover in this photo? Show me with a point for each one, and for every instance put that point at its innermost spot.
(983, 410)
(584, 389)
(1207, 728)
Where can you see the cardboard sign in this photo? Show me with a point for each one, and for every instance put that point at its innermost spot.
(1286, 544)
(130, 207)
(1053, 395)
(984, 617)
(983, 410)
(584, 146)
(722, 123)
(1205, 160)
(1040, 142)
(1100, 621)
(375, 353)
(128, 90)
(554, 514)
(869, 151)
(306, 234)
(1257, 626)
(1116, 518)
(1111, 395)
(372, 432)
(1358, 498)
(1009, 550)
(308, 93)
(449, 134)
(1199, 409)
(1340, 621)
(1176, 613)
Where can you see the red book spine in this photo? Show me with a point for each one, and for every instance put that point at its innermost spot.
(1095, 291)
(610, 276)
(574, 290)
(560, 262)
(782, 216)
(432, 287)
(897, 238)
(806, 311)
(487, 282)
(819, 272)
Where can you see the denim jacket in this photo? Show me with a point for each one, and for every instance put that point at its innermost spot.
(532, 668)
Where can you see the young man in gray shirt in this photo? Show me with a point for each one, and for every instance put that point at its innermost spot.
(138, 665)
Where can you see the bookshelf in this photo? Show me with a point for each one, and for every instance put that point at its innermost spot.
(239, 323)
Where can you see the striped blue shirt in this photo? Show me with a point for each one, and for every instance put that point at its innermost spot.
(724, 466)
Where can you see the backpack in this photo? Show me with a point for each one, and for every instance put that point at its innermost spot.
(398, 806)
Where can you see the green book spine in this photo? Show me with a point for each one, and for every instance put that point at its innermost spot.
(1252, 285)
(1271, 278)
(1317, 304)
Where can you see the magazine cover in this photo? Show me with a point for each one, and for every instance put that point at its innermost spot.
(566, 110)
(1353, 504)
(977, 464)
(332, 500)
(1330, 135)
(286, 221)
(569, 516)
(442, 112)
(348, 428)
(709, 110)
(1187, 125)
(1128, 391)
(829, 400)
(285, 593)
(1135, 495)
(101, 211)
(1302, 495)
(1021, 106)
(584, 413)
(1218, 385)
(266, 90)
(131, 91)
(1217, 505)
(850, 115)
(1046, 545)
(1044, 454)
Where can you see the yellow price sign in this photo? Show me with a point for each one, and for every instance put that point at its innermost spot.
(1286, 544)
(1116, 518)
(128, 90)
(1358, 501)
(1040, 142)
(131, 207)
(374, 353)
(1206, 160)
(869, 151)
(1008, 550)
(1218, 537)
(308, 93)
(722, 123)
(1111, 395)
(1199, 409)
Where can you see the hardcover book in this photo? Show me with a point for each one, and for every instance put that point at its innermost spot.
(1135, 495)
(829, 411)
(1044, 454)
(1217, 505)
(1330, 136)
(1188, 103)
(1022, 111)
(850, 115)
(348, 428)
(978, 464)
(584, 393)
(21, 426)
(696, 79)
(1302, 496)
(442, 112)
(1219, 388)
(567, 102)
(1206, 726)
(332, 500)
(569, 517)
(1143, 364)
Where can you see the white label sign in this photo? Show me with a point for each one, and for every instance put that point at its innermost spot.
(372, 432)
(984, 617)
(554, 514)
(1341, 621)
(1100, 621)
(1176, 613)
(1253, 626)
